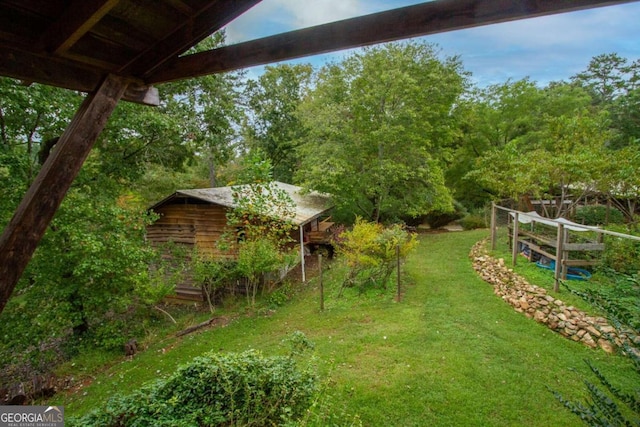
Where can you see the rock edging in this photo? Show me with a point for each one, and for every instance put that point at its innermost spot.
(534, 302)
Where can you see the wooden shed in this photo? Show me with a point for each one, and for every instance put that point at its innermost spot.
(197, 219)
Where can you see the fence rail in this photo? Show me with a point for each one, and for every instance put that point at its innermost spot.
(560, 243)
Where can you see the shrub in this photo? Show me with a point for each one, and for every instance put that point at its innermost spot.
(597, 215)
(473, 221)
(369, 250)
(217, 390)
(621, 255)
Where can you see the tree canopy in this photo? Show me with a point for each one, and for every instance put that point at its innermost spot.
(378, 125)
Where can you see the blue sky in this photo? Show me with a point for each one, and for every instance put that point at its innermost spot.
(544, 49)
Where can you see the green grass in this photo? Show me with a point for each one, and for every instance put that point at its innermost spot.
(450, 353)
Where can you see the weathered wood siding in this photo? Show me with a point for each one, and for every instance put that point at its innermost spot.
(190, 225)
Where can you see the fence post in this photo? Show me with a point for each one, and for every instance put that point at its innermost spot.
(493, 225)
(559, 257)
(321, 283)
(514, 240)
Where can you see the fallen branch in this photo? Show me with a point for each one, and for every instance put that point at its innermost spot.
(217, 320)
(195, 328)
(162, 311)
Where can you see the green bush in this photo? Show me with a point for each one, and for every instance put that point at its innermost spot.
(597, 215)
(473, 221)
(217, 390)
(621, 255)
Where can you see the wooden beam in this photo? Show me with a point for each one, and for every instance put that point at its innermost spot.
(418, 20)
(78, 18)
(22, 65)
(207, 21)
(35, 212)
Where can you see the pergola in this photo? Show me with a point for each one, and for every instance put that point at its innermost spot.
(119, 49)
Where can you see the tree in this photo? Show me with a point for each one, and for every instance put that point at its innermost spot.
(272, 125)
(614, 84)
(196, 122)
(379, 124)
(621, 180)
(509, 117)
(259, 226)
(564, 157)
(371, 252)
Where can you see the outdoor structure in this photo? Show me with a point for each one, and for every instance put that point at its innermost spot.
(553, 249)
(553, 246)
(556, 246)
(197, 219)
(119, 49)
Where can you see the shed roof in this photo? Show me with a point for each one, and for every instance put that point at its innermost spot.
(308, 205)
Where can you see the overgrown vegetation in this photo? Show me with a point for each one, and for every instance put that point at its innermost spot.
(621, 255)
(235, 389)
(598, 215)
(258, 233)
(608, 404)
(371, 252)
(346, 129)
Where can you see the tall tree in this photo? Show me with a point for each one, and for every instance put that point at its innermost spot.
(614, 84)
(378, 126)
(505, 118)
(564, 160)
(272, 125)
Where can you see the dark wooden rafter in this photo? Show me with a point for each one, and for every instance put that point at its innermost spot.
(57, 72)
(35, 212)
(79, 17)
(207, 21)
(419, 20)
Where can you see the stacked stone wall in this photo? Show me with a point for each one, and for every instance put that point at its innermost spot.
(534, 302)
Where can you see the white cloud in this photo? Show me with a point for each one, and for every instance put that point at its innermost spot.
(306, 14)
(275, 16)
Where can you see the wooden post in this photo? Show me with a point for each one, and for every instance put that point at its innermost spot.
(398, 267)
(493, 225)
(304, 276)
(559, 251)
(565, 254)
(40, 203)
(514, 240)
(321, 283)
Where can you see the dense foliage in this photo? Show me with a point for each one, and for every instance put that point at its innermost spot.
(272, 124)
(235, 389)
(379, 126)
(371, 252)
(394, 133)
(89, 283)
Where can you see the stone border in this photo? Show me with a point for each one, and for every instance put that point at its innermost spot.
(534, 302)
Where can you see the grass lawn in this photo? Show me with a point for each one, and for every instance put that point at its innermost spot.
(450, 353)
